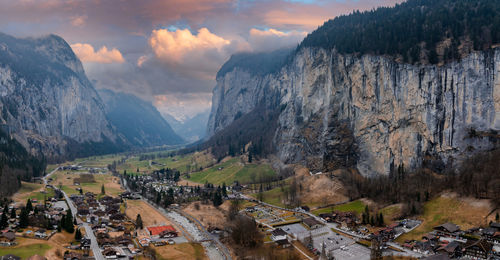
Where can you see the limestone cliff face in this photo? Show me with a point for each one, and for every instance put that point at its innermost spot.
(46, 100)
(370, 112)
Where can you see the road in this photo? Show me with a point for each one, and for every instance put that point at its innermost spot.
(221, 252)
(208, 235)
(89, 233)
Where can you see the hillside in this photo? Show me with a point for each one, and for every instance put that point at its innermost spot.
(416, 31)
(331, 107)
(16, 165)
(137, 120)
(48, 103)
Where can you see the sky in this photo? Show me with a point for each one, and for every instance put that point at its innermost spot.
(169, 51)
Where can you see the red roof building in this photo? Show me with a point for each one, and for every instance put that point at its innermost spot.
(154, 231)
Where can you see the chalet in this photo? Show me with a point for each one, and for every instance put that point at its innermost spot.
(452, 249)
(83, 210)
(283, 243)
(479, 249)
(168, 234)
(157, 231)
(72, 256)
(110, 253)
(328, 217)
(144, 241)
(8, 237)
(124, 240)
(278, 234)
(10, 257)
(312, 223)
(117, 216)
(449, 229)
(41, 233)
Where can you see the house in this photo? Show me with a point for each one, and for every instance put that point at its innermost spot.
(8, 237)
(448, 229)
(278, 234)
(156, 231)
(72, 256)
(283, 243)
(312, 223)
(40, 233)
(452, 249)
(168, 234)
(478, 249)
(144, 241)
(10, 257)
(112, 252)
(328, 217)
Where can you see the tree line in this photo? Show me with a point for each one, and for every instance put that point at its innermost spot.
(478, 176)
(417, 31)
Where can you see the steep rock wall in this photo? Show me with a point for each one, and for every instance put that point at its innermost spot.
(46, 100)
(370, 112)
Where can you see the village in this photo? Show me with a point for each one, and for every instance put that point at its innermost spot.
(109, 225)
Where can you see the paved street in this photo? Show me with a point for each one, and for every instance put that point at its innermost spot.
(88, 230)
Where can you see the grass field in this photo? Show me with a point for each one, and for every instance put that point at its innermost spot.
(181, 251)
(66, 178)
(185, 163)
(463, 212)
(26, 251)
(354, 206)
(274, 196)
(233, 170)
(150, 217)
(32, 191)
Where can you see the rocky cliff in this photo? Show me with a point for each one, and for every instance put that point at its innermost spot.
(369, 112)
(46, 101)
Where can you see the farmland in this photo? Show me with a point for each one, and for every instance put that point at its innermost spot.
(233, 170)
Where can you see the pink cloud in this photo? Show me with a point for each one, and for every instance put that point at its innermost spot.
(86, 53)
(199, 55)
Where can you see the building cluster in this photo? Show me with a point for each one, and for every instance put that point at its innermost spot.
(448, 241)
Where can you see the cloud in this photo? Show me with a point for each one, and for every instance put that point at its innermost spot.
(272, 39)
(183, 106)
(78, 21)
(86, 53)
(199, 55)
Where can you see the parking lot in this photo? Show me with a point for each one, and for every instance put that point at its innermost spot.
(352, 252)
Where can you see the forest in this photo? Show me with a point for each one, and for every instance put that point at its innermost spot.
(478, 176)
(16, 165)
(415, 31)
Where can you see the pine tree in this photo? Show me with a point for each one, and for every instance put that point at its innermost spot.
(497, 217)
(29, 206)
(24, 218)
(138, 221)
(4, 221)
(103, 191)
(13, 213)
(78, 235)
(68, 222)
(224, 189)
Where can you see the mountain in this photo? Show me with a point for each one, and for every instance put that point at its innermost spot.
(137, 120)
(331, 107)
(47, 102)
(191, 129)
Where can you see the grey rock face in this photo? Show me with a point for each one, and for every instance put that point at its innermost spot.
(371, 112)
(46, 98)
